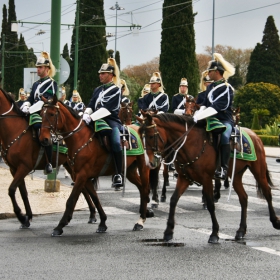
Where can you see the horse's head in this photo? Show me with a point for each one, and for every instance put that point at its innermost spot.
(153, 139)
(126, 113)
(191, 106)
(49, 114)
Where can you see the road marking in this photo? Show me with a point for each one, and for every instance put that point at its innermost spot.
(208, 232)
(116, 211)
(267, 250)
(220, 206)
(260, 201)
(164, 207)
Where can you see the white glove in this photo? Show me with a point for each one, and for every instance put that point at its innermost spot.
(86, 118)
(195, 119)
(25, 109)
(179, 111)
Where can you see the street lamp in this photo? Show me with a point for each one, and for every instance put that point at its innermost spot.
(116, 7)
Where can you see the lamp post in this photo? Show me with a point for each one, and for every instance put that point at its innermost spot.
(116, 7)
(213, 30)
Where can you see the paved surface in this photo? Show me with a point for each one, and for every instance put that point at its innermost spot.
(42, 202)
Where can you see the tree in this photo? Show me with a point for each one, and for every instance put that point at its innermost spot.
(265, 59)
(118, 59)
(92, 47)
(143, 72)
(260, 98)
(177, 58)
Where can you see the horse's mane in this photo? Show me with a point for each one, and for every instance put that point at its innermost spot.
(10, 98)
(169, 117)
(71, 110)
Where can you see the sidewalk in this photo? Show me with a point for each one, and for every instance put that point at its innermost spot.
(42, 202)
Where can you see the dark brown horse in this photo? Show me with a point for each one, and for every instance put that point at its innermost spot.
(125, 115)
(90, 160)
(20, 151)
(197, 156)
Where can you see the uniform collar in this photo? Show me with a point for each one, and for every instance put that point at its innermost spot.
(43, 79)
(155, 93)
(108, 85)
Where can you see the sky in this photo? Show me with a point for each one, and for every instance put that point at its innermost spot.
(238, 23)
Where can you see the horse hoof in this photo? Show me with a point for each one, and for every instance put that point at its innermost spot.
(137, 227)
(167, 184)
(92, 220)
(204, 206)
(276, 224)
(239, 235)
(57, 232)
(150, 213)
(25, 224)
(163, 199)
(214, 239)
(101, 229)
(154, 206)
(168, 237)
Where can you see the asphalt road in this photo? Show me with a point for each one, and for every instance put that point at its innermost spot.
(120, 253)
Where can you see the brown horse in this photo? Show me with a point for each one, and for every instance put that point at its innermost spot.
(125, 115)
(90, 159)
(20, 152)
(197, 156)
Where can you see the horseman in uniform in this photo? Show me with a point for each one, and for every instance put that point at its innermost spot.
(76, 103)
(156, 100)
(125, 92)
(108, 96)
(22, 96)
(46, 87)
(179, 99)
(218, 99)
(146, 89)
(63, 95)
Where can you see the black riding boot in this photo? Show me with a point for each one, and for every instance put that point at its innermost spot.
(118, 180)
(48, 151)
(225, 155)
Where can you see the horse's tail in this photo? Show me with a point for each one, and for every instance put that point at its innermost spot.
(269, 181)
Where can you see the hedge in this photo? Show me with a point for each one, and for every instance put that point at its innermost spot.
(269, 140)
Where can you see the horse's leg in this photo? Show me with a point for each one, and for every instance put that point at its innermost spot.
(70, 204)
(92, 217)
(243, 200)
(142, 183)
(165, 183)
(226, 183)
(181, 186)
(154, 182)
(18, 181)
(208, 195)
(217, 188)
(90, 187)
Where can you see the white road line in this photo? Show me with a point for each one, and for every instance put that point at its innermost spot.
(116, 211)
(164, 207)
(220, 206)
(260, 201)
(267, 250)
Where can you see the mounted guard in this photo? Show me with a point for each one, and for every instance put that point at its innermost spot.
(105, 104)
(46, 87)
(146, 89)
(218, 102)
(22, 96)
(76, 103)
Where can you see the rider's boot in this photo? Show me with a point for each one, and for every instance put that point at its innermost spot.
(118, 179)
(48, 152)
(225, 155)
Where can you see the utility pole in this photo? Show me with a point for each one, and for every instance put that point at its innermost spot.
(76, 59)
(213, 30)
(117, 8)
(55, 36)
(3, 59)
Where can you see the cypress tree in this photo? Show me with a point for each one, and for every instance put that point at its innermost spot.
(3, 30)
(118, 59)
(92, 47)
(178, 58)
(264, 63)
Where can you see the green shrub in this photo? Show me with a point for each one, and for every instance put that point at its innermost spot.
(269, 140)
(272, 130)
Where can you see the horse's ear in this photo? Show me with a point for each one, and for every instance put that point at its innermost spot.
(149, 118)
(44, 99)
(130, 104)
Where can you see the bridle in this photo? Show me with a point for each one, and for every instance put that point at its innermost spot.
(124, 115)
(53, 125)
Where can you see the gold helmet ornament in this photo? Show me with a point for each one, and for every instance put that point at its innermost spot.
(219, 63)
(146, 89)
(125, 88)
(45, 60)
(111, 67)
(63, 91)
(156, 78)
(22, 92)
(76, 94)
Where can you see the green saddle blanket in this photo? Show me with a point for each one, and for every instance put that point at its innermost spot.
(34, 118)
(248, 149)
(62, 149)
(213, 124)
(136, 147)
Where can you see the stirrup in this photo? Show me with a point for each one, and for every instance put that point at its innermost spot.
(48, 169)
(117, 180)
(221, 174)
